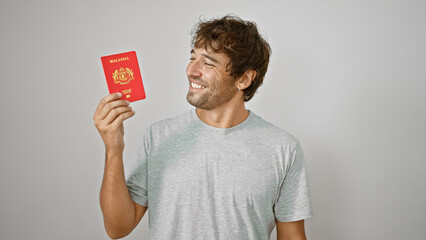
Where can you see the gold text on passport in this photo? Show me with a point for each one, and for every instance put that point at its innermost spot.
(118, 60)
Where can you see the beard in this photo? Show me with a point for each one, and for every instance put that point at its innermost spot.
(212, 97)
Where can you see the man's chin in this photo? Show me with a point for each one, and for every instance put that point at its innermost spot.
(197, 104)
(190, 98)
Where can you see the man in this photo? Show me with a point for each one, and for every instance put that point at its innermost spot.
(218, 171)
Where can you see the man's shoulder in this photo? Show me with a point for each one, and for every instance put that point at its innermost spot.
(172, 123)
(271, 132)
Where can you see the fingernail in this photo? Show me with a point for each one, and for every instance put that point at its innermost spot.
(127, 102)
(119, 94)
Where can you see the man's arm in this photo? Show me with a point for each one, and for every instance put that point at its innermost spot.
(291, 230)
(121, 214)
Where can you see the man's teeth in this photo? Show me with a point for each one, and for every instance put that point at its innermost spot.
(194, 85)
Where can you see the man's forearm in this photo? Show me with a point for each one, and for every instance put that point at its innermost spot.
(291, 238)
(116, 204)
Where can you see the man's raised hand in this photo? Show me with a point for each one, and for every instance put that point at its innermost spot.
(108, 119)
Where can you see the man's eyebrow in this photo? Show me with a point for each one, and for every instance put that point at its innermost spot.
(206, 56)
(210, 57)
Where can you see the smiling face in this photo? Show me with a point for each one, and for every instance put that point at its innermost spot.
(210, 85)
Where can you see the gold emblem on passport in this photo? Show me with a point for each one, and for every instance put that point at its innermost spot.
(123, 76)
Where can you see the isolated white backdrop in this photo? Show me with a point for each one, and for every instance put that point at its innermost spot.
(347, 78)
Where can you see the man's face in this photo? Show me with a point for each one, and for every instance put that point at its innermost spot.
(210, 85)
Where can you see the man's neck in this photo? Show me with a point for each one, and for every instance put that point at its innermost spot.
(225, 116)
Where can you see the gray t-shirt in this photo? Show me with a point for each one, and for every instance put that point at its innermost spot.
(202, 182)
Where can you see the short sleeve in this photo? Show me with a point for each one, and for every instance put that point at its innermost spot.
(294, 203)
(136, 172)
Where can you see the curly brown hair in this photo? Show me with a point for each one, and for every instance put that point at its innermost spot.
(241, 42)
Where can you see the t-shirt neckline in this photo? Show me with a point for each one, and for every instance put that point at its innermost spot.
(221, 130)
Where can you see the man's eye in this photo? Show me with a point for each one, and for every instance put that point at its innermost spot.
(191, 58)
(208, 64)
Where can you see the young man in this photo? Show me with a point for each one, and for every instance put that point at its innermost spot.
(218, 171)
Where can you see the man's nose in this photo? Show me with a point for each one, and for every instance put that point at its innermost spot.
(193, 69)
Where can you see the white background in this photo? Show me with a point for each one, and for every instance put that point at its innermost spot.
(347, 78)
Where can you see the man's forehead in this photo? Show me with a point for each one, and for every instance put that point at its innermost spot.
(208, 52)
(203, 50)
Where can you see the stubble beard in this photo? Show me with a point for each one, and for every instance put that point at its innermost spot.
(211, 99)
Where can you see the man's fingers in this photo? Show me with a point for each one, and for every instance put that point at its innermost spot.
(115, 113)
(105, 111)
(104, 101)
(120, 118)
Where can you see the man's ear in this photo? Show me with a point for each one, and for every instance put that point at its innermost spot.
(246, 79)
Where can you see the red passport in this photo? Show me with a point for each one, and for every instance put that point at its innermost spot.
(123, 75)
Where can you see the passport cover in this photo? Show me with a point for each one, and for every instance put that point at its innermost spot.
(123, 75)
